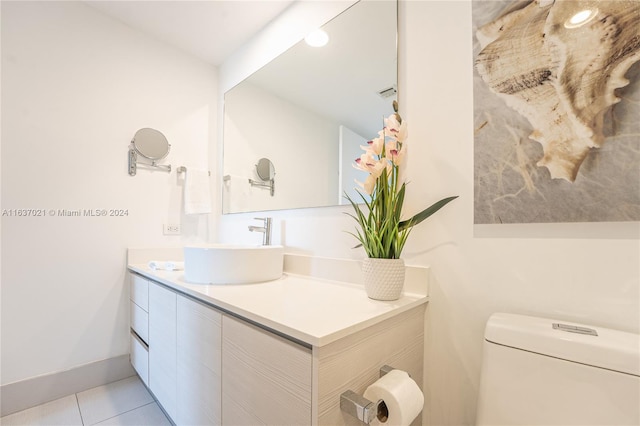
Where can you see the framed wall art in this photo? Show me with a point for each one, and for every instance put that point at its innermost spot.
(556, 111)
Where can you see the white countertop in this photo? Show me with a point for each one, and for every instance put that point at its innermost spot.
(312, 310)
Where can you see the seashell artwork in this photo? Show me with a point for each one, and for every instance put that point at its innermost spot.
(562, 66)
(558, 63)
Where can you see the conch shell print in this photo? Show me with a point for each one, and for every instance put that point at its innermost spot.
(559, 63)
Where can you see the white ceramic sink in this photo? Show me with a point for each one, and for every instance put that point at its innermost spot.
(232, 264)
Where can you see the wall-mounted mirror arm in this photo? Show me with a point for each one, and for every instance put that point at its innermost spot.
(134, 162)
(271, 184)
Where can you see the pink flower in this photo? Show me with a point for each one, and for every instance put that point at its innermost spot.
(372, 165)
(395, 129)
(395, 151)
(365, 162)
(381, 231)
(368, 185)
(368, 163)
(375, 145)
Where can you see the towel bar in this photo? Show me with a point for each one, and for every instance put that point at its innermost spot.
(183, 169)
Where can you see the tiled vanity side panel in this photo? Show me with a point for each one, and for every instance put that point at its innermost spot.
(266, 379)
(353, 363)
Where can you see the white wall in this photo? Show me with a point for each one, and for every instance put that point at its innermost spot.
(76, 86)
(586, 272)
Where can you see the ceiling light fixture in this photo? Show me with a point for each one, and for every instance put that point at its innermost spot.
(317, 38)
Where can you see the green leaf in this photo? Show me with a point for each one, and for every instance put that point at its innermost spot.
(381, 233)
(406, 224)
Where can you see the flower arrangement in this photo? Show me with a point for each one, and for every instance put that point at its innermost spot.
(382, 232)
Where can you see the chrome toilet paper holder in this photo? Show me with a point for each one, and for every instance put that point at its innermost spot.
(361, 408)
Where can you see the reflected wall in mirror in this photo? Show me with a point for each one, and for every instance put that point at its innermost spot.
(309, 110)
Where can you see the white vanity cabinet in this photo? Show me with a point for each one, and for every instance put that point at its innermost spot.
(213, 367)
(139, 318)
(266, 379)
(162, 346)
(199, 363)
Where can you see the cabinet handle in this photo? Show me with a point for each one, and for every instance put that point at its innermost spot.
(139, 339)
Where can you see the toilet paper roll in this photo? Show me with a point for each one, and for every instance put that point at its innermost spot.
(402, 396)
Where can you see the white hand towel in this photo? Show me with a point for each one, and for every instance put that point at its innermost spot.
(156, 264)
(169, 265)
(197, 192)
(237, 195)
(174, 266)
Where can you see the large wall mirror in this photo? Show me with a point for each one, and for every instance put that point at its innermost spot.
(309, 110)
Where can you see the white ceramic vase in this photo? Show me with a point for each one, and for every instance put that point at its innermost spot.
(383, 278)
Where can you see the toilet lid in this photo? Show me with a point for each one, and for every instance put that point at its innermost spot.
(610, 349)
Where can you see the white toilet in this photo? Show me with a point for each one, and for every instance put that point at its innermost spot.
(538, 371)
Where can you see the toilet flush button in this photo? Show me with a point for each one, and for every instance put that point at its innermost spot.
(574, 329)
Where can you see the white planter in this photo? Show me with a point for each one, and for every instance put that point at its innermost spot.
(383, 278)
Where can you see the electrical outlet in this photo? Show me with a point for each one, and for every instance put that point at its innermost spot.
(171, 229)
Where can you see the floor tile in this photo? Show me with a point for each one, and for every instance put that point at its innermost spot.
(148, 415)
(63, 411)
(104, 402)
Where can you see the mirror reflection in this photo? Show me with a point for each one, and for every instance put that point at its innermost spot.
(265, 169)
(309, 110)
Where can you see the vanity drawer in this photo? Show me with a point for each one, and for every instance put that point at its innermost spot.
(140, 358)
(140, 322)
(140, 292)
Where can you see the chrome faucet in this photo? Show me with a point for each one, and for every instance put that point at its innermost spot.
(265, 229)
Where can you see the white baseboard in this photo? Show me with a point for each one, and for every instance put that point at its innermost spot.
(28, 393)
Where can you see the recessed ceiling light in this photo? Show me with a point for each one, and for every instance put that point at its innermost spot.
(581, 18)
(317, 38)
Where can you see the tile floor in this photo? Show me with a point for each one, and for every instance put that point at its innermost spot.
(125, 403)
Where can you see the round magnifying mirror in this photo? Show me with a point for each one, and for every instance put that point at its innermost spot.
(151, 144)
(265, 169)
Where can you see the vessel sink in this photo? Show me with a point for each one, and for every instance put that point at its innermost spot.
(232, 264)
